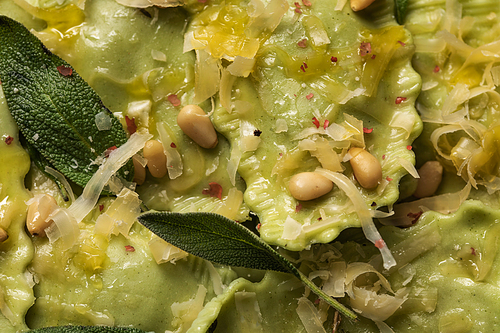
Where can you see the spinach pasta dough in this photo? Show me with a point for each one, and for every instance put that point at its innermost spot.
(361, 153)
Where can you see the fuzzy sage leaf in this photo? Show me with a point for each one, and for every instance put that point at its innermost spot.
(54, 107)
(400, 8)
(86, 329)
(218, 239)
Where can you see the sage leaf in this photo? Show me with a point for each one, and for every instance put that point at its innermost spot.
(400, 8)
(54, 108)
(218, 239)
(86, 329)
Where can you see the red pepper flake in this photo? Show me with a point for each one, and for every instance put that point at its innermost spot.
(173, 145)
(320, 218)
(8, 140)
(315, 122)
(302, 43)
(64, 70)
(108, 151)
(399, 100)
(298, 208)
(174, 100)
(436, 69)
(414, 216)
(380, 243)
(473, 251)
(402, 43)
(129, 248)
(257, 132)
(311, 95)
(316, 301)
(101, 207)
(281, 154)
(298, 11)
(326, 123)
(297, 4)
(258, 226)
(215, 190)
(409, 147)
(373, 56)
(383, 157)
(365, 48)
(304, 70)
(333, 59)
(305, 65)
(367, 130)
(388, 178)
(131, 126)
(307, 3)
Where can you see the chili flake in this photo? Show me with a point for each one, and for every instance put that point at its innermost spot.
(399, 100)
(304, 70)
(173, 145)
(315, 122)
(302, 43)
(311, 95)
(333, 59)
(409, 147)
(373, 56)
(367, 130)
(297, 4)
(305, 65)
(388, 178)
(298, 208)
(129, 248)
(414, 216)
(380, 243)
(64, 70)
(326, 123)
(258, 226)
(383, 157)
(9, 139)
(436, 69)
(215, 190)
(131, 126)
(174, 100)
(101, 207)
(307, 3)
(257, 132)
(298, 11)
(473, 251)
(402, 43)
(365, 48)
(108, 151)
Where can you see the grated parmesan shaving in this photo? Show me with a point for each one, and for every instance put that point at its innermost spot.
(363, 212)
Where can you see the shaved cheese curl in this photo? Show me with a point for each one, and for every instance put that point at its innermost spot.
(118, 157)
(363, 212)
(60, 177)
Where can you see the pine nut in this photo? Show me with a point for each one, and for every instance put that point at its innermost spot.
(38, 214)
(3, 235)
(360, 4)
(196, 124)
(431, 174)
(157, 161)
(366, 168)
(140, 171)
(309, 186)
